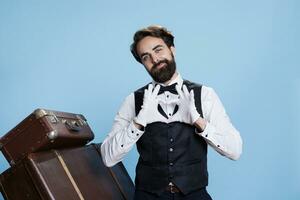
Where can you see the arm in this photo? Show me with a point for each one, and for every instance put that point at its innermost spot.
(123, 135)
(126, 129)
(218, 131)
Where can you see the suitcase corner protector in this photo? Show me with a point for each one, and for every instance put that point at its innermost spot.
(40, 113)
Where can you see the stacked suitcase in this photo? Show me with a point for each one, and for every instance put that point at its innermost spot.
(50, 160)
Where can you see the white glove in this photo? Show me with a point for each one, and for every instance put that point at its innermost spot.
(187, 112)
(149, 112)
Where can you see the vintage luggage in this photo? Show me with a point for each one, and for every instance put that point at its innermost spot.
(42, 130)
(69, 174)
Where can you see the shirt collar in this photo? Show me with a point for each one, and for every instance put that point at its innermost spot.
(177, 80)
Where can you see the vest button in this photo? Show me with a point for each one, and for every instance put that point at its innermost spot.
(171, 164)
(171, 139)
(171, 149)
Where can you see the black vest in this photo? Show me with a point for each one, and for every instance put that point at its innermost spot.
(171, 152)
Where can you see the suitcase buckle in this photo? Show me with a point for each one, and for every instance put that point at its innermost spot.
(53, 119)
(52, 135)
(73, 126)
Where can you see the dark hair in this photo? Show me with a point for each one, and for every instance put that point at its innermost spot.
(154, 31)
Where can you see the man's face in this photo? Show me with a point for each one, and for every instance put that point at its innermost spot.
(157, 58)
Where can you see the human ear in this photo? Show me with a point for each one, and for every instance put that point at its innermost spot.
(173, 50)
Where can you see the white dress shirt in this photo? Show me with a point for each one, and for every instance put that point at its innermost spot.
(219, 133)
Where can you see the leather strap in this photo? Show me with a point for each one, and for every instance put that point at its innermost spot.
(62, 162)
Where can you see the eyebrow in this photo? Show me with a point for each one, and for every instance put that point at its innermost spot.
(157, 46)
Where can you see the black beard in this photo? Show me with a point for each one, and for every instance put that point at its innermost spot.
(165, 73)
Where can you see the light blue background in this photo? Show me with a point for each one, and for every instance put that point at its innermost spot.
(74, 56)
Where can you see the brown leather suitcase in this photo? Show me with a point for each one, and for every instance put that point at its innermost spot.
(69, 174)
(43, 130)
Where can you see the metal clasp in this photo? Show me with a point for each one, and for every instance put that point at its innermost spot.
(172, 189)
(171, 185)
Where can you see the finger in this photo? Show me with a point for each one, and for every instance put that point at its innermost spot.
(156, 90)
(192, 95)
(150, 88)
(179, 91)
(185, 90)
(145, 93)
(148, 91)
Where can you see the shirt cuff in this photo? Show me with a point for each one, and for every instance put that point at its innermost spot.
(209, 134)
(133, 132)
(205, 133)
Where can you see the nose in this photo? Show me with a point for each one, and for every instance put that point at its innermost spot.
(155, 58)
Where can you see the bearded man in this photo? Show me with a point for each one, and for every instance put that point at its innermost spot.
(171, 120)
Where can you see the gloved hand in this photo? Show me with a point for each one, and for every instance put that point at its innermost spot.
(149, 112)
(187, 112)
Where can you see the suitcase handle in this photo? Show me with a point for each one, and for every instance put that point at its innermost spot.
(73, 126)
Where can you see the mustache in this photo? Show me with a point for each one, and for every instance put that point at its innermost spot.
(160, 62)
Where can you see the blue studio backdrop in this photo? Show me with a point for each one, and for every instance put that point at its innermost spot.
(74, 56)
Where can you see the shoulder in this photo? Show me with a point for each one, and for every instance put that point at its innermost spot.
(208, 93)
(129, 100)
(142, 89)
(207, 89)
(191, 84)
